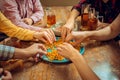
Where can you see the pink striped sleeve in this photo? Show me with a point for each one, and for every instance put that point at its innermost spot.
(9, 8)
(38, 11)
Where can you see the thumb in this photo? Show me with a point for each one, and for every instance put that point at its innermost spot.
(68, 38)
(40, 51)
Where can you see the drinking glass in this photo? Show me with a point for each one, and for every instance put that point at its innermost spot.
(85, 16)
(93, 21)
(51, 18)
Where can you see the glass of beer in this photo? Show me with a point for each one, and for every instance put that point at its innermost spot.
(93, 21)
(85, 17)
(51, 18)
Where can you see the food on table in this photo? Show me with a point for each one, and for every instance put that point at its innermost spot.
(53, 54)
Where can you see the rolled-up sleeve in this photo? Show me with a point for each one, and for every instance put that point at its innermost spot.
(6, 52)
(38, 11)
(10, 10)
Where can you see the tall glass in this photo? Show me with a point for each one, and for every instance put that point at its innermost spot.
(85, 17)
(93, 21)
(51, 18)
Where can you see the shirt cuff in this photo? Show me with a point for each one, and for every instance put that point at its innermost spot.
(6, 52)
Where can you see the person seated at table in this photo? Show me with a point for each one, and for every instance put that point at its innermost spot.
(71, 53)
(11, 30)
(23, 13)
(106, 33)
(109, 9)
(7, 52)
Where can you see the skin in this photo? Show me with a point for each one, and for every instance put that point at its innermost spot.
(71, 53)
(28, 21)
(7, 75)
(46, 36)
(106, 33)
(31, 51)
(67, 28)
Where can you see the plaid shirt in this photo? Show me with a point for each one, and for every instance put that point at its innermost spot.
(6, 52)
(109, 10)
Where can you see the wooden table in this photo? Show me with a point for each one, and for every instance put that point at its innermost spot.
(102, 57)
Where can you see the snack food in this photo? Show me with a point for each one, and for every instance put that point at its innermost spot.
(52, 53)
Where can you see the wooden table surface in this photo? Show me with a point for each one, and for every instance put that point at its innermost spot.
(102, 57)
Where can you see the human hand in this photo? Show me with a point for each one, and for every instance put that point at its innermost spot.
(102, 25)
(77, 36)
(34, 49)
(28, 21)
(6, 75)
(67, 50)
(66, 29)
(46, 36)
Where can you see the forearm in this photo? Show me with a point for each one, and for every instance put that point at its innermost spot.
(108, 32)
(73, 15)
(20, 53)
(84, 70)
(101, 35)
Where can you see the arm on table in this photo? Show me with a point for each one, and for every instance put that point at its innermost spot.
(71, 53)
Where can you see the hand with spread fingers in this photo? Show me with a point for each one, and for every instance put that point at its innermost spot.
(31, 51)
(78, 60)
(67, 50)
(77, 36)
(66, 29)
(46, 36)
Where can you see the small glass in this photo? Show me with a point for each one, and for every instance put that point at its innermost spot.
(51, 18)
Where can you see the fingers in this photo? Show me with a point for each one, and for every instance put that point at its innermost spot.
(63, 33)
(52, 35)
(42, 47)
(7, 76)
(47, 37)
(69, 37)
(43, 40)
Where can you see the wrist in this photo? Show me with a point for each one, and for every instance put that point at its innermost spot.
(20, 53)
(88, 34)
(75, 56)
(35, 36)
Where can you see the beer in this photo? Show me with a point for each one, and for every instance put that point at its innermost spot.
(84, 21)
(51, 19)
(84, 17)
(92, 23)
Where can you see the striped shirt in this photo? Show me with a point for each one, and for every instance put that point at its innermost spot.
(17, 10)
